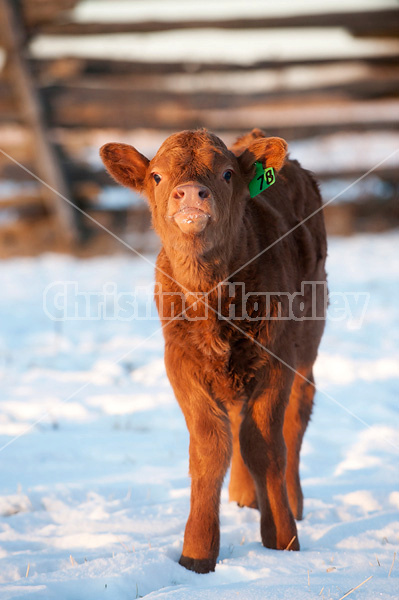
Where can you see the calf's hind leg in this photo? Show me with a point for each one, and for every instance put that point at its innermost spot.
(296, 420)
(264, 452)
(241, 487)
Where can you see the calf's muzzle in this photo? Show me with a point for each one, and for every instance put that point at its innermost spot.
(190, 206)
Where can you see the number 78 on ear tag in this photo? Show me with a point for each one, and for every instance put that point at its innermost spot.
(263, 179)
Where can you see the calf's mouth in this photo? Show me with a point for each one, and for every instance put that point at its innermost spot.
(191, 220)
(190, 207)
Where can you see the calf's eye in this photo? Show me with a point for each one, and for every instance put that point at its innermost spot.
(227, 175)
(157, 178)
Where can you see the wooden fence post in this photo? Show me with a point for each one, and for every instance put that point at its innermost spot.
(47, 165)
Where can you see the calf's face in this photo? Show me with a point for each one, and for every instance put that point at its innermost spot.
(197, 188)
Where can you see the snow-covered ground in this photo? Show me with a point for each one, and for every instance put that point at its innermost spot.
(94, 451)
(142, 10)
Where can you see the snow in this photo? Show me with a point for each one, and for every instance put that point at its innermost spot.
(148, 10)
(257, 80)
(343, 151)
(12, 188)
(215, 45)
(94, 450)
(111, 197)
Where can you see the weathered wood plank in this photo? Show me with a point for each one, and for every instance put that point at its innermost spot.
(292, 132)
(8, 110)
(385, 173)
(67, 67)
(41, 12)
(21, 201)
(294, 116)
(350, 74)
(16, 140)
(367, 22)
(120, 90)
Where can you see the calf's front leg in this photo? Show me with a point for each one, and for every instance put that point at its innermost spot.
(210, 454)
(264, 452)
(210, 451)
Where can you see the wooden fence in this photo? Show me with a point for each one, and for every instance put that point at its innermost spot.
(55, 109)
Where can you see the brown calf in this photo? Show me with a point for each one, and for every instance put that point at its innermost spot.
(239, 357)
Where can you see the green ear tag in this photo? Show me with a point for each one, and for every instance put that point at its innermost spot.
(263, 179)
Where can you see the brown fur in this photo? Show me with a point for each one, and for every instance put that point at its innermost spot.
(240, 402)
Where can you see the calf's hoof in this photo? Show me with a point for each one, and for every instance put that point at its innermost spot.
(277, 546)
(283, 542)
(198, 565)
(249, 502)
(244, 498)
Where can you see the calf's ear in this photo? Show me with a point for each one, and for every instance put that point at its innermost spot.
(126, 165)
(271, 152)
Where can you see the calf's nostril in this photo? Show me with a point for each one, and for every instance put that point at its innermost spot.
(203, 193)
(179, 193)
(191, 194)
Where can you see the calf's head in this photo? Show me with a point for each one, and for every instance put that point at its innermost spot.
(196, 187)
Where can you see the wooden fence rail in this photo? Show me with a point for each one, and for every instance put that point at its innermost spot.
(361, 23)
